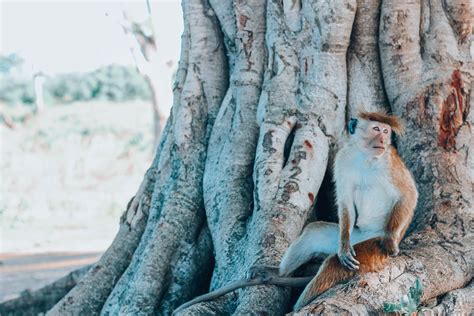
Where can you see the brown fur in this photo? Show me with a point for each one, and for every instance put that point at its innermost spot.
(382, 117)
(370, 254)
(402, 212)
(345, 225)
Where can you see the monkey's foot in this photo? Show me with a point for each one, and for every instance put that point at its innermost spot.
(390, 245)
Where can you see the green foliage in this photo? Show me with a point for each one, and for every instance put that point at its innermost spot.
(115, 83)
(14, 91)
(10, 61)
(12, 88)
(408, 303)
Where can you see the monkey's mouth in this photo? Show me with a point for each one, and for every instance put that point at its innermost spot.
(379, 147)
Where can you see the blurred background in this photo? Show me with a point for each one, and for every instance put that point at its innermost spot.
(84, 90)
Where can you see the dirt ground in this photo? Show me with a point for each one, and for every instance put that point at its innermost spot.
(66, 177)
(20, 272)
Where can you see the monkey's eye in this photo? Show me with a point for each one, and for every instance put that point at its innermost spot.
(376, 128)
(385, 131)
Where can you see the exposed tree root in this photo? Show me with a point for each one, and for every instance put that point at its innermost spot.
(41, 300)
(272, 280)
(423, 256)
(89, 295)
(457, 302)
(191, 273)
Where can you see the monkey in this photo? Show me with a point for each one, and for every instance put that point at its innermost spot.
(376, 197)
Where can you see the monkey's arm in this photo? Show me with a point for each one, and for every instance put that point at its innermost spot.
(397, 224)
(345, 210)
(403, 210)
(346, 253)
(269, 278)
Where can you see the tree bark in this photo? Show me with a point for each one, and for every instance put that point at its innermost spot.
(262, 96)
(456, 302)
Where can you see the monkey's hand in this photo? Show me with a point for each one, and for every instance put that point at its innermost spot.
(346, 255)
(390, 245)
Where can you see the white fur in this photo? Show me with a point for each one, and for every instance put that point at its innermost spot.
(317, 237)
(362, 184)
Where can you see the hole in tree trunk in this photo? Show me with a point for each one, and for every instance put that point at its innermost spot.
(288, 145)
(325, 208)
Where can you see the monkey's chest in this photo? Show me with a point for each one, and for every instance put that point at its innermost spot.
(374, 197)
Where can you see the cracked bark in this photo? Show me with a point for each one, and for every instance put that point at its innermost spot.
(262, 95)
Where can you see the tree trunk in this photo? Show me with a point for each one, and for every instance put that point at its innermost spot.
(262, 95)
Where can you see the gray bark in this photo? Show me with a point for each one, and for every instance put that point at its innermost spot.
(427, 72)
(457, 302)
(262, 95)
(42, 300)
(175, 223)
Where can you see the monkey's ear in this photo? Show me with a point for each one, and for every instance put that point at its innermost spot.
(351, 127)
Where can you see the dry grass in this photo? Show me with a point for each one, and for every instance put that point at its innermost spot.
(67, 175)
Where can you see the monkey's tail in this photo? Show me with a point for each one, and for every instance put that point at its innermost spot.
(371, 256)
(259, 280)
(297, 254)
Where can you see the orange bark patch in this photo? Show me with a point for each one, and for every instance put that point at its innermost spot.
(243, 20)
(311, 197)
(363, 283)
(451, 116)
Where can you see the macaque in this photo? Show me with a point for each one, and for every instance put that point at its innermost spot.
(376, 197)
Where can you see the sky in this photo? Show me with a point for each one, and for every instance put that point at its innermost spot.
(67, 36)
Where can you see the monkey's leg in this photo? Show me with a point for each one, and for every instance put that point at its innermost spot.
(371, 257)
(317, 237)
(330, 273)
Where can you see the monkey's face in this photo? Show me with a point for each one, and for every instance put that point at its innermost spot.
(375, 138)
